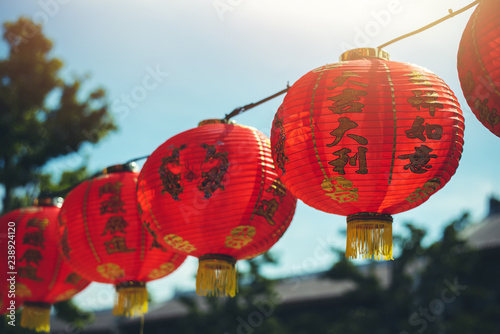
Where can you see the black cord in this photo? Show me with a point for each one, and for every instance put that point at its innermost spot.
(137, 159)
(240, 110)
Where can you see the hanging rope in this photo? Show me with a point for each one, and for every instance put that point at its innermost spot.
(240, 110)
(430, 25)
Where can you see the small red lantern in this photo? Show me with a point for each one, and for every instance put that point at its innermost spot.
(367, 138)
(478, 64)
(103, 239)
(213, 192)
(29, 242)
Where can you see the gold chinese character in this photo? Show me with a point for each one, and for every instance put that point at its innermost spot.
(345, 102)
(114, 225)
(427, 100)
(419, 78)
(113, 188)
(41, 224)
(117, 245)
(267, 209)
(34, 239)
(278, 189)
(31, 256)
(29, 272)
(113, 205)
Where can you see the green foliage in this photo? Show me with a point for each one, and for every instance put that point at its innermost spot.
(238, 314)
(442, 288)
(69, 312)
(42, 116)
(69, 179)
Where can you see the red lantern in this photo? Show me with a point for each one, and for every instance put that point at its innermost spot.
(479, 64)
(212, 192)
(103, 239)
(367, 138)
(35, 268)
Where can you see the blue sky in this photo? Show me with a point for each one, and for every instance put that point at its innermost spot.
(211, 56)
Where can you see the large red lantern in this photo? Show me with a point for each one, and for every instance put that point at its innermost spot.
(104, 240)
(479, 64)
(367, 138)
(213, 192)
(40, 277)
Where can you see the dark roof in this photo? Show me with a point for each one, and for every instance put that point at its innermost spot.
(485, 234)
(291, 291)
(296, 290)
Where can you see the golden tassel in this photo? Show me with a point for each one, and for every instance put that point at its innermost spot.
(36, 316)
(131, 299)
(216, 276)
(369, 234)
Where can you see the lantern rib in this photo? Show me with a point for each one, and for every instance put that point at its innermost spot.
(85, 222)
(430, 25)
(263, 172)
(312, 125)
(395, 121)
(56, 273)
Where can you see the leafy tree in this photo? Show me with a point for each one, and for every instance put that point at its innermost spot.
(42, 116)
(250, 311)
(443, 288)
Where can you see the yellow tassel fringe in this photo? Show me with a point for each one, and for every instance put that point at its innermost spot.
(131, 302)
(37, 318)
(367, 238)
(216, 277)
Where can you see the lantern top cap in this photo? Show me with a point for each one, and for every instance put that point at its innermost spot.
(48, 200)
(363, 53)
(215, 121)
(128, 167)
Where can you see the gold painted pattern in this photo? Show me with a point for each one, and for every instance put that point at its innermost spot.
(22, 291)
(110, 271)
(179, 243)
(163, 270)
(340, 189)
(66, 295)
(240, 236)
